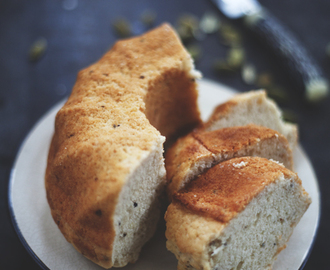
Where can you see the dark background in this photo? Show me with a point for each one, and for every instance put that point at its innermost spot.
(76, 38)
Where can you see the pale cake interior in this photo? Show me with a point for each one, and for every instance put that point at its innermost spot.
(254, 107)
(251, 240)
(137, 211)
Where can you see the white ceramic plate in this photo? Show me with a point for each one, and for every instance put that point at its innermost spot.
(40, 235)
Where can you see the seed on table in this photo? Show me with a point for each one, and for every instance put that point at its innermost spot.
(38, 49)
(249, 74)
(210, 23)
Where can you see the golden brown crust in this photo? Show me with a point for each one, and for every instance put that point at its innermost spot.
(205, 146)
(102, 133)
(181, 157)
(163, 100)
(219, 112)
(185, 232)
(224, 109)
(225, 189)
(266, 113)
(234, 138)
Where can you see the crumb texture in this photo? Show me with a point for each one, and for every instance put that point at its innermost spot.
(252, 107)
(252, 230)
(137, 210)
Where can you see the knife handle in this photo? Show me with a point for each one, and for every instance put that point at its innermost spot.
(301, 65)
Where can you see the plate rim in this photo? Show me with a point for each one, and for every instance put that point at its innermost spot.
(14, 221)
(61, 103)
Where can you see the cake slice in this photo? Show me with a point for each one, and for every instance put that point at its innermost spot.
(237, 215)
(252, 107)
(191, 155)
(105, 170)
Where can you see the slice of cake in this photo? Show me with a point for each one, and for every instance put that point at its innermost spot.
(193, 154)
(237, 215)
(252, 107)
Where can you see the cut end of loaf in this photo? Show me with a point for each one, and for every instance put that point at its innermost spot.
(138, 207)
(253, 233)
(253, 239)
(252, 107)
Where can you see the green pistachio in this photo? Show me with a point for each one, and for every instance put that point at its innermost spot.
(184, 33)
(230, 36)
(210, 23)
(277, 93)
(236, 57)
(289, 116)
(122, 27)
(38, 49)
(249, 74)
(148, 17)
(222, 67)
(188, 20)
(264, 80)
(188, 27)
(195, 51)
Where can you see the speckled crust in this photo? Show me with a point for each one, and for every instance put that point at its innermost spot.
(114, 117)
(224, 190)
(212, 147)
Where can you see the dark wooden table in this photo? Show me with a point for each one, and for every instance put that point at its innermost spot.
(79, 35)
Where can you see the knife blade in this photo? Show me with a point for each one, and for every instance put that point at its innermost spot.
(301, 65)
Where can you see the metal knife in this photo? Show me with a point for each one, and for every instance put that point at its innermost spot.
(301, 65)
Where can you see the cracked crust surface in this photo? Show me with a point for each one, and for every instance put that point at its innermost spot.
(225, 189)
(200, 150)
